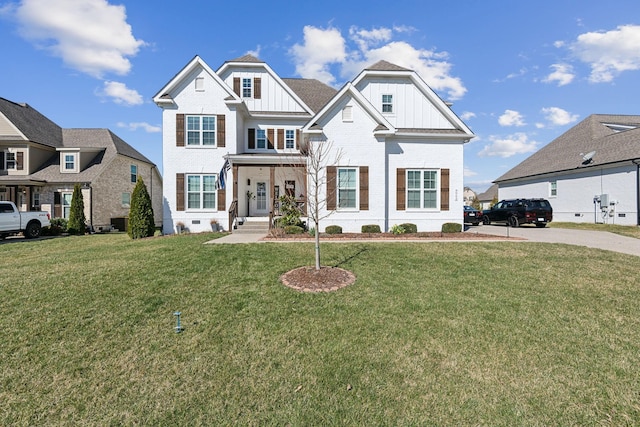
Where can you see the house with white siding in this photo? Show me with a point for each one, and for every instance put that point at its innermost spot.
(590, 173)
(232, 143)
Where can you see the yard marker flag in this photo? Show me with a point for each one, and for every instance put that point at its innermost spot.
(222, 177)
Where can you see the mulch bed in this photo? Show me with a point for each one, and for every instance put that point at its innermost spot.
(275, 235)
(308, 279)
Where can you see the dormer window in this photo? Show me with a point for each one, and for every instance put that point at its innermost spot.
(246, 88)
(69, 162)
(387, 103)
(10, 159)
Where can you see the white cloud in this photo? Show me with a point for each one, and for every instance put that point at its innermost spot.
(121, 94)
(562, 74)
(255, 52)
(511, 118)
(609, 53)
(468, 173)
(325, 47)
(466, 115)
(320, 49)
(558, 116)
(508, 146)
(91, 36)
(140, 125)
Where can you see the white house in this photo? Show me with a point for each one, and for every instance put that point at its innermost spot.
(589, 174)
(232, 139)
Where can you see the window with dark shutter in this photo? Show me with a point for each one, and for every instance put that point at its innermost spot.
(236, 85)
(222, 199)
(364, 188)
(400, 189)
(179, 130)
(331, 187)
(298, 139)
(19, 160)
(1, 160)
(221, 131)
(257, 88)
(251, 139)
(444, 189)
(280, 139)
(57, 204)
(270, 137)
(179, 191)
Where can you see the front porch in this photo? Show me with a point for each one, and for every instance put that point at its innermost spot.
(258, 183)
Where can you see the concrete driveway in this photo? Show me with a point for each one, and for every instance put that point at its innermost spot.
(591, 239)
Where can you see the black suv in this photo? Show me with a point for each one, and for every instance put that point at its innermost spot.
(519, 211)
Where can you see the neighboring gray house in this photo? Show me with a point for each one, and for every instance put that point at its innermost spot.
(488, 196)
(40, 163)
(590, 173)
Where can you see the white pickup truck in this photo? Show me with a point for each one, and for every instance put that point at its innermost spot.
(12, 221)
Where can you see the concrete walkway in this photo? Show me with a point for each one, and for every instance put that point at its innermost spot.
(591, 239)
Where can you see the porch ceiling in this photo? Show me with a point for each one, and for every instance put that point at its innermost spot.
(267, 159)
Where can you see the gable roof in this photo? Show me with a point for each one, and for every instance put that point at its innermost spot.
(386, 66)
(603, 133)
(163, 97)
(103, 142)
(247, 58)
(313, 92)
(31, 123)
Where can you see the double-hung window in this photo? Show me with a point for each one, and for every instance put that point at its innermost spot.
(134, 174)
(69, 162)
(261, 139)
(246, 88)
(553, 189)
(387, 103)
(289, 139)
(422, 189)
(347, 188)
(201, 130)
(10, 159)
(201, 191)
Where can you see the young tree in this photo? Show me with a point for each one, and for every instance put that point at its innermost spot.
(319, 154)
(141, 222)
(77, 220)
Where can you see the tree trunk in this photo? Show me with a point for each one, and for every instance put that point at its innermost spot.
(317, 237)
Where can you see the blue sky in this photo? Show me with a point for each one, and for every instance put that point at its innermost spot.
(518, 73)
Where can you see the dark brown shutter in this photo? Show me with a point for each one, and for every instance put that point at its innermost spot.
(179, 191)
(400, 189)
(179, 130)
(297, 139)
(252, 139)
(257, 87)
(19, 160)
(364, 188)
(280, 139)
(444, 190)
(57, 204)
(331, 187)
(1, 160)
(270, 135)
(236, 85)
(220, 131)
(222, 199)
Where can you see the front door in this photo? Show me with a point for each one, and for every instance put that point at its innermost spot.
(262, 199)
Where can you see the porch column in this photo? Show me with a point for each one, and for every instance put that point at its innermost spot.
(235, 182)
(272, 178)
(306, 189)
(27, 196)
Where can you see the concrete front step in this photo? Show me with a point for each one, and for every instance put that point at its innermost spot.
(253, 226)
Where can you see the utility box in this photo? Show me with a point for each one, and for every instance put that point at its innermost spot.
(604, 200)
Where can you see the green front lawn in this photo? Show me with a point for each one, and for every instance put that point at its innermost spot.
(436, 333)
(624, 230)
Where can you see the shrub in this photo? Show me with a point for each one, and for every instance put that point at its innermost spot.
(290, 212)
(451, 227)
(397, 229)
(293, 229)
(141, 222)
(333, 229)
(370, 228)
(58, 226)
(409, 228)
(312, 232)
(76, 224)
